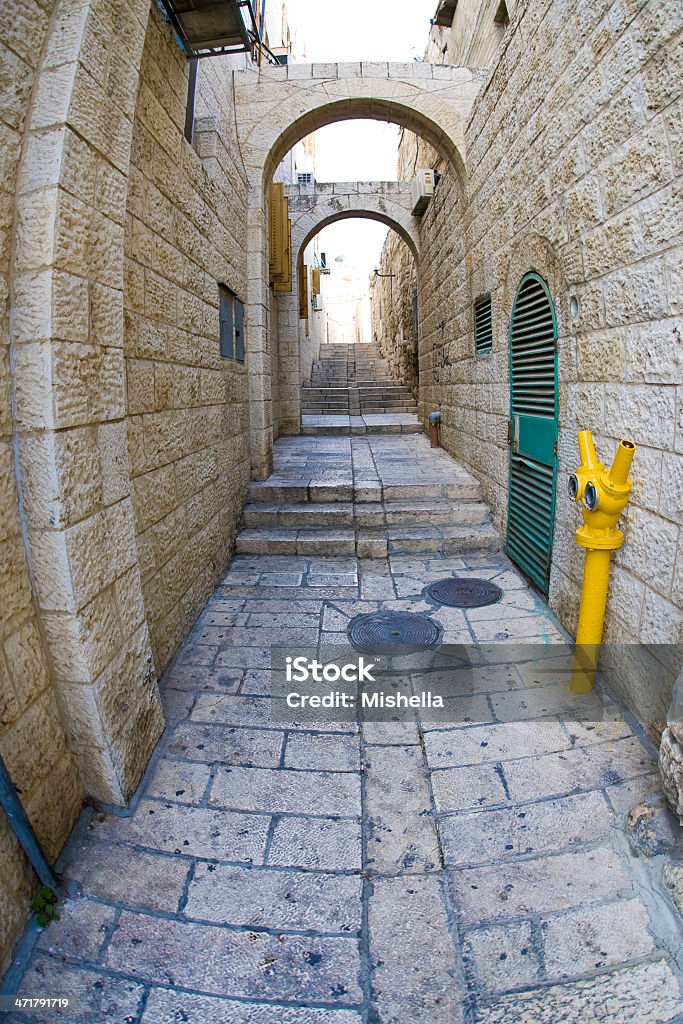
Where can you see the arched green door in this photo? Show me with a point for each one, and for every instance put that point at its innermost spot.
(534, 428)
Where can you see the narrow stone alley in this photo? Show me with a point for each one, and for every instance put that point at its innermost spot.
(478, 866)
(341, 512)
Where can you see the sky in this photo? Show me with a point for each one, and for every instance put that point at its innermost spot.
(326, 30)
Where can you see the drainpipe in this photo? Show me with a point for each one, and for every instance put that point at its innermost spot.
(22, 828)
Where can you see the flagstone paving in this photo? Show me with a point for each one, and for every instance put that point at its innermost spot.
(474, 868)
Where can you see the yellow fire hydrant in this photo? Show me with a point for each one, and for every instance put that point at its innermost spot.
(603, 494)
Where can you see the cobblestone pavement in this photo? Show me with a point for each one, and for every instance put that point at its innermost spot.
(483, 869)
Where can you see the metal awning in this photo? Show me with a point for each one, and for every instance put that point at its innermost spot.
(444, 13)
(207, 28)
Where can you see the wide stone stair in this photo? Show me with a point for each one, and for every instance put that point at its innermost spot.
(351, 391)
(369, 497)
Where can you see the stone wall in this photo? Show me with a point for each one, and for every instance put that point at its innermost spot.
(123, 434)
(187, 406)
(475, 34)
(32, 738)
(574, 162)
(392, 307)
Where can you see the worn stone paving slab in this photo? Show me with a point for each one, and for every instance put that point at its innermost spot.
(480, 837)
(286, 792)
(98, 996)
(503, 956)
(415, 976)
(166, 1007)
(259, 748)
(316, 844)
(119, 874)
(221, 961)
(188, 831)
(295, 901)
(401, 836)
(538, 885)
(645, 994)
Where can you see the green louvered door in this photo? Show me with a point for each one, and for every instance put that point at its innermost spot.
(533, 412)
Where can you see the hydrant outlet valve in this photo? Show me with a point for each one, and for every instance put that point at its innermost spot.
(603, 494)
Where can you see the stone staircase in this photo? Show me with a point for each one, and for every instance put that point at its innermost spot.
(398, 496)
(351, 391)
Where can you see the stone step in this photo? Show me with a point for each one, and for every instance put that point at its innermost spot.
(365, 515)
(446, 540)
(323, 429)
(292, 541)
(324, 515)
(369, 406)
(282, 490)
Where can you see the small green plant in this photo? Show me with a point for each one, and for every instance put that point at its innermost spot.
(45, 906)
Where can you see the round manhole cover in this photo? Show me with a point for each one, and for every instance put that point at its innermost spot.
(464, 593)
(393, 632)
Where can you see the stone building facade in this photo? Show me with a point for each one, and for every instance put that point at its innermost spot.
(573, 170)
(127, 440)
(123, 433)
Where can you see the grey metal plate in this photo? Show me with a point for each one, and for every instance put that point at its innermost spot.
(393, 632)
(464, 592)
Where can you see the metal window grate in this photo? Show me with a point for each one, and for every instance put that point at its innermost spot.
(483, 325)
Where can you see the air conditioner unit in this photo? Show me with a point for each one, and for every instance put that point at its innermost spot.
(423, 190)
(317, 303)
(324, 269)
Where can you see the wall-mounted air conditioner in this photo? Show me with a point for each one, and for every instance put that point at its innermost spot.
(423, 190)
(317, 303)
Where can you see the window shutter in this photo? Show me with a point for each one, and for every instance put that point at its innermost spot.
(239, 330)
(227, 323)
(483, 325)
(303, 292)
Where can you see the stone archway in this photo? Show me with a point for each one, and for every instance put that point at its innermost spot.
(275, 107)
(312, 208)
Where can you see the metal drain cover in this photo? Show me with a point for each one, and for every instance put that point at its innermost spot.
(393, 632)
(464, 592)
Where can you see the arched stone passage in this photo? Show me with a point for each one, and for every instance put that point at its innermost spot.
(275, 107)
(312, 208)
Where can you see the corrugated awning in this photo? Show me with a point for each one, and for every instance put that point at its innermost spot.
(207, 28)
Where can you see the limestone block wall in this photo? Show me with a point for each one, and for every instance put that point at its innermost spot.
(475, 34)
(32, 737)
(574, 160)
(392, 308)
(123, 434)
(187, 408)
